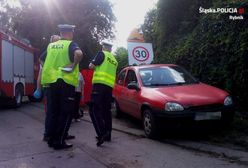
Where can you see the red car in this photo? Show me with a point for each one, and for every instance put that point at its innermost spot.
(151, 92)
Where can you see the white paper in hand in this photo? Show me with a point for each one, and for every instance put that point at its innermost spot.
(67, 69)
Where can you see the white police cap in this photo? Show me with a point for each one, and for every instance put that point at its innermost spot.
(66, 28)
(107, 43)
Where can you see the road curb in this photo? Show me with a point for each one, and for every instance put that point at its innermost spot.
(231, 155)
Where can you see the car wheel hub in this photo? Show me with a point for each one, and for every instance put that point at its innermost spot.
(147, 124)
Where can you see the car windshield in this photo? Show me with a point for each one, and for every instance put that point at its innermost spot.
(165, 76)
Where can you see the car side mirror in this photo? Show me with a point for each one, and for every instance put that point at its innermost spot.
(133, 86)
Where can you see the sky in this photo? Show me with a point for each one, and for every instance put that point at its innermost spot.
(130, 14)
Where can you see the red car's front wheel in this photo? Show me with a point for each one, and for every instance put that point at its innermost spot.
(149, 124)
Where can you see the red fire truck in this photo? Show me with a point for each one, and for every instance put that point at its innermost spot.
(18, 69)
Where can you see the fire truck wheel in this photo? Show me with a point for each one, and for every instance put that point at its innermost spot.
(18, 96)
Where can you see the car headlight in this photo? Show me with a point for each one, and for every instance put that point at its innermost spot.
(173, 107)
(228, 101)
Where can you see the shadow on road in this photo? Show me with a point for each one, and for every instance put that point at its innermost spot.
(182, 130)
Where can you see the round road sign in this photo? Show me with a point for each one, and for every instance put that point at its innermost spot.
(140, 53)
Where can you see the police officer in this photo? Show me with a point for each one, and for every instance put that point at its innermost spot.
(60, 76)
(104, 65)
(38, 92)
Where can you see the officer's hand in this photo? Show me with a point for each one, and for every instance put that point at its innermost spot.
(37, 94)
(72, 65)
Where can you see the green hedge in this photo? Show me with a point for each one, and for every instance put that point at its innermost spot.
(215, 51)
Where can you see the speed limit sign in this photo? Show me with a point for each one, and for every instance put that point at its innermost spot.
(140, 53)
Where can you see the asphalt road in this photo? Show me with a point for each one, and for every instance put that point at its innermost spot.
(22, 146)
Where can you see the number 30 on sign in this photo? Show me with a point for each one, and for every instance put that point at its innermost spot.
(140, 53)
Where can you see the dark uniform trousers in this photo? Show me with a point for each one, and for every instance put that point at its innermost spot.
(60, 105)
(100, 110)
(76, 114)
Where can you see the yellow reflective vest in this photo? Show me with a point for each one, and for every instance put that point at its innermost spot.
(106, 72)
(57, 58)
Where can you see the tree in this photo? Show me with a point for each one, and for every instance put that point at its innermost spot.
(7, 13)
(121, 55)
(38, 20)
(149, 27)
(211, 46)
